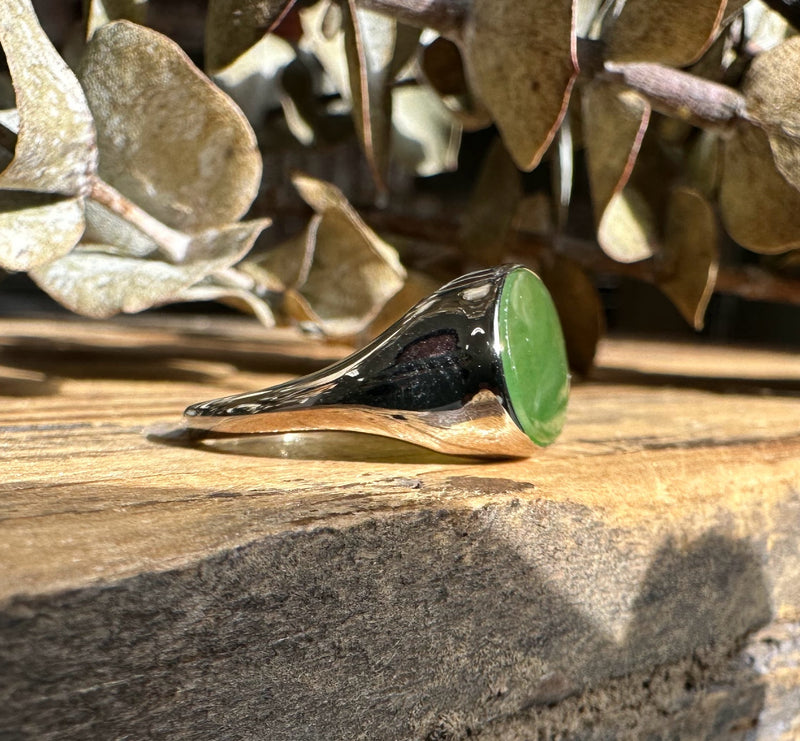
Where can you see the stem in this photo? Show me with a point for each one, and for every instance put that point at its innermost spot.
(445, 16)
(172, 243)
(751, 283)
(679, 94)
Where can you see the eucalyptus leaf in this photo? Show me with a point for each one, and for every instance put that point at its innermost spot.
(704, 163)
(673, 32)
(443, 69)
(760, 208)
(764, 27)
(252, 79)
(772, 92)
(349, 272)
(628, 230)
(426, 135)
(56, 151)
(239, 298)
(521, 61)
(579, 307)
(586, 13)
(97, 13)
(323, 36)
(233, 26)
(92, 281)
(690, 252)
(615, 121)
(169, 140)
(36, 228)
(492, 206)
(377, 47)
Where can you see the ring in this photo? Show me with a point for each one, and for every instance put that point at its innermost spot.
(478, 368)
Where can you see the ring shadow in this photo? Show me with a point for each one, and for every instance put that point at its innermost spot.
(319, 445)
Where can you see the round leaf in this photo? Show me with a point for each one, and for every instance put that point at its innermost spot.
(772, 95)
(36, 228)
(673, 32)
(95, 283)
(520, 59)
(628, 230)
(233, 26)
(377, 47)
(55, 150)
(426, 135)
(352, 272)
(615, 120)
(579, 307)
(99, 12)
(760, 208)
(690, 249)
(169, 140)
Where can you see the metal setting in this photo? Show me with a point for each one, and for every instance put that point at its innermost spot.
(435, 378)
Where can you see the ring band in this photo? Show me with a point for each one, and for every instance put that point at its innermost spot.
(478, 368)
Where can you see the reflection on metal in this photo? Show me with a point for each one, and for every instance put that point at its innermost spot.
(434, 379)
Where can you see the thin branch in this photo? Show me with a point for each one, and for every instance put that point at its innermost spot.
(679, 94)
(172, 243)
(751, 282)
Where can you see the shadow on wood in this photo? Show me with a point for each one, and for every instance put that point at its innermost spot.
(396, 628)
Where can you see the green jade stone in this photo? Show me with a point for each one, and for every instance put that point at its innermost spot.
(533, 356)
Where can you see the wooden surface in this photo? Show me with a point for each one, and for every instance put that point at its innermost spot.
(338, 586)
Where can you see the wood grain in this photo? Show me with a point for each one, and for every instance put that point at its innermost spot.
(368, 587)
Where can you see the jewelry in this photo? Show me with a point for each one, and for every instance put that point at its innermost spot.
(478, 368)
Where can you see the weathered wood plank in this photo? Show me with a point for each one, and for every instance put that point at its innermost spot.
(338, 586)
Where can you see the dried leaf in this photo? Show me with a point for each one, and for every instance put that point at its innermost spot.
(443, 68)
(252, 79)
(352, 274)
(169, 140)
(521, 62)
(586, 13)
(772, 91)
(759, 207)
(690, 251)
(492, 206)
(764, 27)
(377, 47)
(628, 231)
(704, 163)
(233, 26)
(99, 12)
(579, 309)
(323, 36)
(615, 121)
(93, 282)
(426, 135)
(673, 32)
(56, 150)
(37, 227)
(239, 298)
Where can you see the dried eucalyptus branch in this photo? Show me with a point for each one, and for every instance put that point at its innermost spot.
(751, 282)
(693, 99)
(173, 244)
